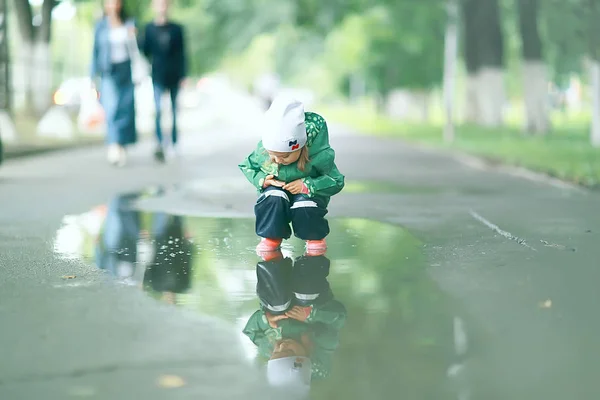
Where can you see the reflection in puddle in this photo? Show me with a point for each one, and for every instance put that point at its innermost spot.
(151, 250)
(297, 327)
(362, 321)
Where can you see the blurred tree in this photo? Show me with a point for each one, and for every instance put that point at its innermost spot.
(484, 55)
(391, 45)
(34, 59)
(140, 10)
(229, 26)
(577, 40)
(234, 23)
(295, 48)
(564, 47)
(321, 16)
(406, 49)
(535, 76)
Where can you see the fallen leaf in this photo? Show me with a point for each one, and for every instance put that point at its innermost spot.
(69, 277)
(546, 304)
(170, 381)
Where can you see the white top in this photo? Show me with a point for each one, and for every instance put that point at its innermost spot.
(118, 44)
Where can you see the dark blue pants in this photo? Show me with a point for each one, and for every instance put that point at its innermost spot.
(159, 89)
(275, 209)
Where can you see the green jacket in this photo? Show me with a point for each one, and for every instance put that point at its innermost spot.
(322, 178)
(323, 326)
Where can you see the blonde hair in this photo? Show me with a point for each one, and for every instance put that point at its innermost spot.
(302, 161)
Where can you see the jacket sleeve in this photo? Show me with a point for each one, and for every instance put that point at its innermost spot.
(332, 314)
(255, 327)
(330, 181)
(250, 167)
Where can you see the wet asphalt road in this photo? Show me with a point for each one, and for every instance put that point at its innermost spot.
(504, 306)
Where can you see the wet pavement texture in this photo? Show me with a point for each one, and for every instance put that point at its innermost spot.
(496, 300)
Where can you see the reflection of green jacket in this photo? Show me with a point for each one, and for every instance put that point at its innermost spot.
(322, 177)
(322, 325)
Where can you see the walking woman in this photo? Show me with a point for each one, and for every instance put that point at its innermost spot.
(111, 61)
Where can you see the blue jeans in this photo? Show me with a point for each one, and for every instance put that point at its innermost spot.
(159, 89)
(117, 99)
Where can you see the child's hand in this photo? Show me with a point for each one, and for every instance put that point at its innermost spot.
(295, 187)
(269, 181)
(273, 319)
(299, 313)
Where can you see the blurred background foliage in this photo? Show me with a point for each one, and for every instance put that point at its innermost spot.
(524, 68)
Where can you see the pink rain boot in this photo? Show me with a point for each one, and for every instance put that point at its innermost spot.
(316, 247)
(267, 245)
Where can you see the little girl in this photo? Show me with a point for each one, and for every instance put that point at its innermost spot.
(293, 168)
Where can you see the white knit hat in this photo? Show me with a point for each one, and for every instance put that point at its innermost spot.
(292, 373)
(284, 130)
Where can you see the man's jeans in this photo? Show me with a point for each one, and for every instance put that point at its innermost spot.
(159, 89)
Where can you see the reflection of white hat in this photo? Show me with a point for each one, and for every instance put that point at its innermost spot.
(284, 130)
(124, 269)
(291, 373)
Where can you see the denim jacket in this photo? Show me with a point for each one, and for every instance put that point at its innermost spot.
(101, 60)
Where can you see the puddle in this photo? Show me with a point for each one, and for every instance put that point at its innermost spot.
(378, 323)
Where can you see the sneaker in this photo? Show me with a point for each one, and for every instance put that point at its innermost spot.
(316, 246)
(267, 245)
(159, 155)
(112, 155)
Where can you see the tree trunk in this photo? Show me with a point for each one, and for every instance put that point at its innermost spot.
(593, 30)
(470, 51)
(42, 78)
(450, 58)
(5, 79)
(491, 94)
(595, 87)
(35, 63)
(535, 75)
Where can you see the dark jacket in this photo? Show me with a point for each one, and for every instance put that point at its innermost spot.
(164, 46)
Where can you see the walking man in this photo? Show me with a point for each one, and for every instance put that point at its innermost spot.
(164, 46)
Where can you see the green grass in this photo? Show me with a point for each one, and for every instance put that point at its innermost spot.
(565, 153)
